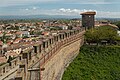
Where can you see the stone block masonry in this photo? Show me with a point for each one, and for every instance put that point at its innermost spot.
(54, 68)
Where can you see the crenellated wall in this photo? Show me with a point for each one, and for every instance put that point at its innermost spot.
(56, 65)
(57, 56)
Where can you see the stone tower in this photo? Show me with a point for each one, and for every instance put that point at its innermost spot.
(88, 19)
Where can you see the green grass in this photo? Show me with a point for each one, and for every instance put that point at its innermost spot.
(95, 63)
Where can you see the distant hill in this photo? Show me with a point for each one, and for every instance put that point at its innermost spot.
(50, 17)
(38, 16)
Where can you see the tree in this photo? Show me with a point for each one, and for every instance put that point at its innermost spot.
(117, 24)
(93, 36)
(3, 39)
(98, 34)
(70, 27)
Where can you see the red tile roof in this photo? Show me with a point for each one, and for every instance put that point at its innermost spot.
(18, 33)
(3, 60)
(11, 53)
(1, 43)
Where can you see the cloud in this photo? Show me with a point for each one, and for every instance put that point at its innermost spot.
(26, 9)
(76, 12)
(30, 9)
(73, 11)
(34, 8)
(108, 14)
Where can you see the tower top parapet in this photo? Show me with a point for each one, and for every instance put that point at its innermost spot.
(89, 13)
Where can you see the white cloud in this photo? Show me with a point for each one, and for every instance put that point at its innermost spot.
(108, 14)
(73, 11)
(30, 9)
(62, 11)
(26, 9)
(76, 12)
(34, 8)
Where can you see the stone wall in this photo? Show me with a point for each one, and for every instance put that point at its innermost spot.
(56, 65)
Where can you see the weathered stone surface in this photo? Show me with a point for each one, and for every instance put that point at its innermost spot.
(56, 65)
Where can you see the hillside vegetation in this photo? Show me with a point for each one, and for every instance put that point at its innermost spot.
(95, 63)
(102, 33)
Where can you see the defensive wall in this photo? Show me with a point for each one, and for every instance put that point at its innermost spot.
(55, 67)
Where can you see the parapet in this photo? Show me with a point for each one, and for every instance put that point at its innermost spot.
(89, 13)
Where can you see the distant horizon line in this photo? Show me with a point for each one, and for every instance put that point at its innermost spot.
(46, 16)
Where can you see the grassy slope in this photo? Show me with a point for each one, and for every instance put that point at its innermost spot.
(95, 63)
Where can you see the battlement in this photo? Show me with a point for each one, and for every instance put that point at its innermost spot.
(89, 13)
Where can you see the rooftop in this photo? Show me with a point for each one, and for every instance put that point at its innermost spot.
(3, 60)
(89, 13)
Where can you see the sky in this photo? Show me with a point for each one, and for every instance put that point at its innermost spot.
(104, 8)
